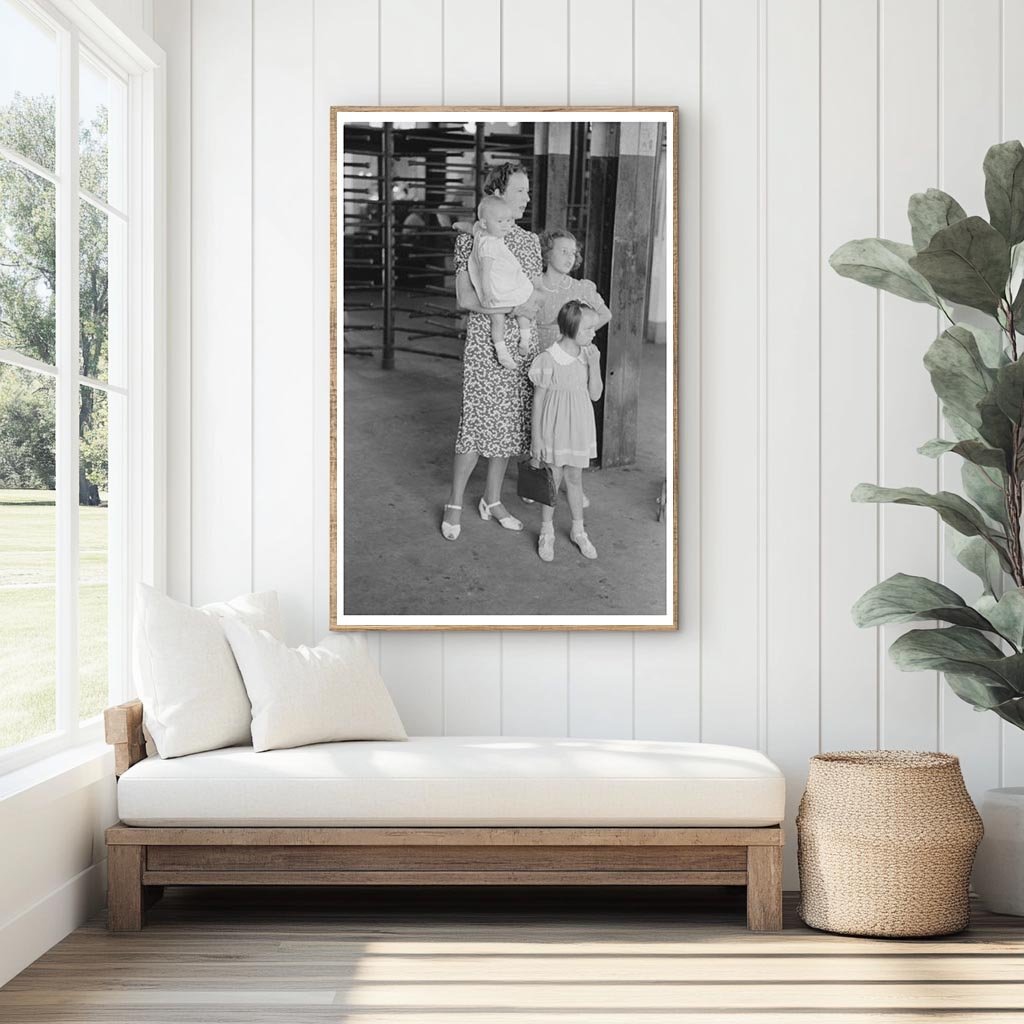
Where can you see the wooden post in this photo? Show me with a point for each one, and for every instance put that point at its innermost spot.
(539, 176)
(555, 209)
(764, 888)
(597, 246)
(387, 205)
(124, 888)
(629, 291)
(604, 164)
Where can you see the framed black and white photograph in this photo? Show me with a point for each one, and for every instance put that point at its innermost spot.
(504, 368)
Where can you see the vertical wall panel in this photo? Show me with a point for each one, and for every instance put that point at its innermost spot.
(792, 385)
(283, 308)
(472, 661)
(601, 684)
(969, 124)
(221, 377)
(472, 52)
(1012, 127)
(472, 684)
(729, 386)
(535, 684)
(173, 30)
(909, 413)
(666, 666)
(410, 56)
(412, 72)
(534, 52)
(535, 681)
(413, 672)
(600, 665)
(849, 372)
(600, 52)
(350, 30)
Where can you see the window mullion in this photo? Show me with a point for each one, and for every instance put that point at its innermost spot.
(67, 386)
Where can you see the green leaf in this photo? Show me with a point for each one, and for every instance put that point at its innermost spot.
(930, 212)
(962, 430)
(973, 451)
(1006, 614)
(1004, 189)
(903, 598)
(967, 263)
(976, 555)
(1016, 270)
(1009, 390)
(983, 694)
(990, 345)
(883, 264)
(995, 428)
(964, 652)
(985, 487)
(952, 509)
(1016, 309)
(958, 372)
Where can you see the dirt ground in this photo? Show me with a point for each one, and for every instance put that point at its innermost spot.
(399, 430)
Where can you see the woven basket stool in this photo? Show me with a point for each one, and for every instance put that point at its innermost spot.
(885, 843)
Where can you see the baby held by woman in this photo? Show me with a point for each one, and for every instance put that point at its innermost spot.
(498, 279)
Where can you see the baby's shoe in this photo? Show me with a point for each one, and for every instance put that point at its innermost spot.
(582, 541)
(546, 544)
(503, 357)
(525, 338)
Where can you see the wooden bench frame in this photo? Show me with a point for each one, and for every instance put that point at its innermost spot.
(142, 860)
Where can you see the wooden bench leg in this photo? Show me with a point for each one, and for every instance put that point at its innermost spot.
(764, 888)
(125, 898)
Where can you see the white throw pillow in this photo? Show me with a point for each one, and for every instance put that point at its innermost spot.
(309, 694)
(192, 693)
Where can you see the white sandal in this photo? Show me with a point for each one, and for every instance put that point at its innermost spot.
(451, 531)
(582, 541)
(507, 521)
(546, 545)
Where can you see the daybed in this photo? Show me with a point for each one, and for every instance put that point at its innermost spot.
(444, 811)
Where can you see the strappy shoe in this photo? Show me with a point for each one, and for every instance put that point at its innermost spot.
(546, 545)
(507, 521)
(451, 531)
(582, 541)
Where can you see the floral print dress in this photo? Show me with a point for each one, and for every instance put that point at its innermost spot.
(496, 403)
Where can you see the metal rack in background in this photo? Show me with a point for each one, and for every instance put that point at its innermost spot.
(400, 185)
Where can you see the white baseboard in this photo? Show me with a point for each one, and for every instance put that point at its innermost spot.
(28, 936)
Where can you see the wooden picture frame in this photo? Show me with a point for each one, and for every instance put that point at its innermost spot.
(399, 177)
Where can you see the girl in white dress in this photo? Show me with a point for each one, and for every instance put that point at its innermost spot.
(567, 381)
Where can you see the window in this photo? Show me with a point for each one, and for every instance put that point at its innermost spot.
(76, 383)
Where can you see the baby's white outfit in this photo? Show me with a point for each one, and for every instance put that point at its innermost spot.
(509, 285)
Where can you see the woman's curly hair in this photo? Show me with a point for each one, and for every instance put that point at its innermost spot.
(547, 243)
(498, 175)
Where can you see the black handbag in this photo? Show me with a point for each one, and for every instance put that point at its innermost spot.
(536, 484)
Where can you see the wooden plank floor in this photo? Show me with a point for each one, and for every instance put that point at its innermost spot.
(219, 956)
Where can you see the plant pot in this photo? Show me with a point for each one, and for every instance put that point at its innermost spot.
(999, 868)
(886, 839)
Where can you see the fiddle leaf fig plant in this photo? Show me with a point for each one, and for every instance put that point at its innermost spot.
(978, 375)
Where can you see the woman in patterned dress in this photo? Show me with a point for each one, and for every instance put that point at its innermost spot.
(497, 403)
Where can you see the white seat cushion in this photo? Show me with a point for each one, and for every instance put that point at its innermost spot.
(459, 780)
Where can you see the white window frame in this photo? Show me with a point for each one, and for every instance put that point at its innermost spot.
(141, 64)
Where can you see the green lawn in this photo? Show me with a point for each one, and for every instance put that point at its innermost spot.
(28, 616)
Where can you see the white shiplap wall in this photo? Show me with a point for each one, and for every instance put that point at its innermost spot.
(804, 123)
